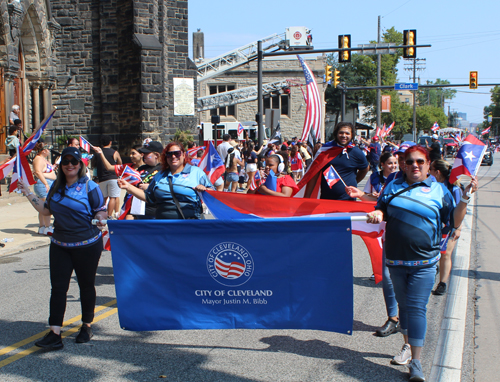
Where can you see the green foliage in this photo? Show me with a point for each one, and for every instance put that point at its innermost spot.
(183, 136)
(435, 96)
(427, 115)
(402, 114)
(494, 110)
(61, 140)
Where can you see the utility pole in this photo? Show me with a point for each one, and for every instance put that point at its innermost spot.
(260, 100)
(414, 68)
(379, 94)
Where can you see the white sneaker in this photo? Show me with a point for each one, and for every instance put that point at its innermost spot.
(404, 356)
(49, 230)
(42, 230)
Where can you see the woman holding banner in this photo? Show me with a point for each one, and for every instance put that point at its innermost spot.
(415, 209)
(45, 176)
(76, 244)
(173, 189)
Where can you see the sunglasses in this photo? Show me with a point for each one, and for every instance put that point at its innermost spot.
(420, 162)
(170, 154)
(73, 161)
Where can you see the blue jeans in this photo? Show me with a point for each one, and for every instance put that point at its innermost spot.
(413, 287)
(389, 296)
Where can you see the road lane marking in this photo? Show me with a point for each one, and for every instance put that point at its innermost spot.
(65, 334)
(37, 336)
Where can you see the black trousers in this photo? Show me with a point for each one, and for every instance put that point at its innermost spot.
(84, 261)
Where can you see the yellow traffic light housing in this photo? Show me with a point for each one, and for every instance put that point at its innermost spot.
(410, 38)
(336, 77)
(328, 73)
(473, 80)
(345, 43)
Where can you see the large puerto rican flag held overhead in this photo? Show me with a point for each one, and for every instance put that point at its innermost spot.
(314, 108)
(232, 206)
(468, 158)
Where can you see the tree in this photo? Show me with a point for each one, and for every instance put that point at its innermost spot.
(494, 110)
(427, 115)
(435, 96)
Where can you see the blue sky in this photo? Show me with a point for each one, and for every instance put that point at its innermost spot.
(464, 35)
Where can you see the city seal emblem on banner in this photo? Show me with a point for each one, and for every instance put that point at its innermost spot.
(230, 264)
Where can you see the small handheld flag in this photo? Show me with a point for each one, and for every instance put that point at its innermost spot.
(255, 181)
(435, 127)
(131, 176)
(84, 144)
(332, 176)
(468, 158)
(486, 131)
(211, 163)
(240, 129)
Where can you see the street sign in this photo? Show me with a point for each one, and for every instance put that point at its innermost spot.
(406, 86)
(382, 48)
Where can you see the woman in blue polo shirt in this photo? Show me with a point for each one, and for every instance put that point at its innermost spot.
(415, 209)
(76, 243)
(176, 175)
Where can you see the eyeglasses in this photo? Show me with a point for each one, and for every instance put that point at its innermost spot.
(73, 161)
(176, 153)
(420, 162)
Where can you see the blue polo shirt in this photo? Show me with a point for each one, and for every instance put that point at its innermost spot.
(73, 209)
(183, 183)
(414, 221)
(347, 164)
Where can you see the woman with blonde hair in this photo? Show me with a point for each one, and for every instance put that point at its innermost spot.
(45, 175)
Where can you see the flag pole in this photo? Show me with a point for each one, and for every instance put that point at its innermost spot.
(339, 176)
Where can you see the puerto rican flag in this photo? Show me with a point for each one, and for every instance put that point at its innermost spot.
(194, 150)
(435, 127)
(233, 206)
(468, 158)
(33, 139)
(377, 132)
(388, 130)
(84, 144)
(255, 181)
(130, 175)
(240, 129)
(314, 108)
(212, 164)
(331, 176)
(21, 170)
(486, 131)
(457, 137)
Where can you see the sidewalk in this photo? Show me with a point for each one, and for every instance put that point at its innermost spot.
(19, 221)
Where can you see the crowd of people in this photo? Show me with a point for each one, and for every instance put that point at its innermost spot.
(408, 183)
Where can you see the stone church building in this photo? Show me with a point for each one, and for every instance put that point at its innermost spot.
(107, 65)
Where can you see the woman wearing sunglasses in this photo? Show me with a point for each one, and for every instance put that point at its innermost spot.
(76, 243)
(173, 189)
(415, 208)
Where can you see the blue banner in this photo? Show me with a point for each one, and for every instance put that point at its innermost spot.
(223, 274)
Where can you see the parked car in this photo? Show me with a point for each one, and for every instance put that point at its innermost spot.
(488, 155)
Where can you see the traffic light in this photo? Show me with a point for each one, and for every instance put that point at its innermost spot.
(328, 73)
(336, 77)
(410, 38)
(473, 80)
(345, 43)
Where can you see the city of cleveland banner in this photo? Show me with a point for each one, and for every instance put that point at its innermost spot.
(234, 206)
(222, 274)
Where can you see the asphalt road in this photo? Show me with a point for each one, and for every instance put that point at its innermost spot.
(208, 355)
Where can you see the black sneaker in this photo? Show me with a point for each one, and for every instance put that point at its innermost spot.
(440, 289)
(85, 334)
(50, 341)
(389, 327)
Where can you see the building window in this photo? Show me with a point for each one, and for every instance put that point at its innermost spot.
(226, 111)
(281, 102)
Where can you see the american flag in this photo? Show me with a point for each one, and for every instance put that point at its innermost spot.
(255, 181)
(231, 270)
(240, 129)
(192, 151)
(486, 131)
(314, 109)
(130, 175)
(435, 127)
(211, 163)
(84, 144)
(331, 176)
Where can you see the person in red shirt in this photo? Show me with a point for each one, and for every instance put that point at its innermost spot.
(285, 185)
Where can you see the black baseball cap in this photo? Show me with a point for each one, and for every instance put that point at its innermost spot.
(151, 147)
(73, 151)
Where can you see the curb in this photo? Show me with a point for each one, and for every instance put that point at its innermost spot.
(5, 251)
(447, 364)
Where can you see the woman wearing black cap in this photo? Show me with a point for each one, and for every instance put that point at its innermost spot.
(76, 244)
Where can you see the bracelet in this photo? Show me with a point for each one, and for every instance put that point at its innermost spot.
(466, 201)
